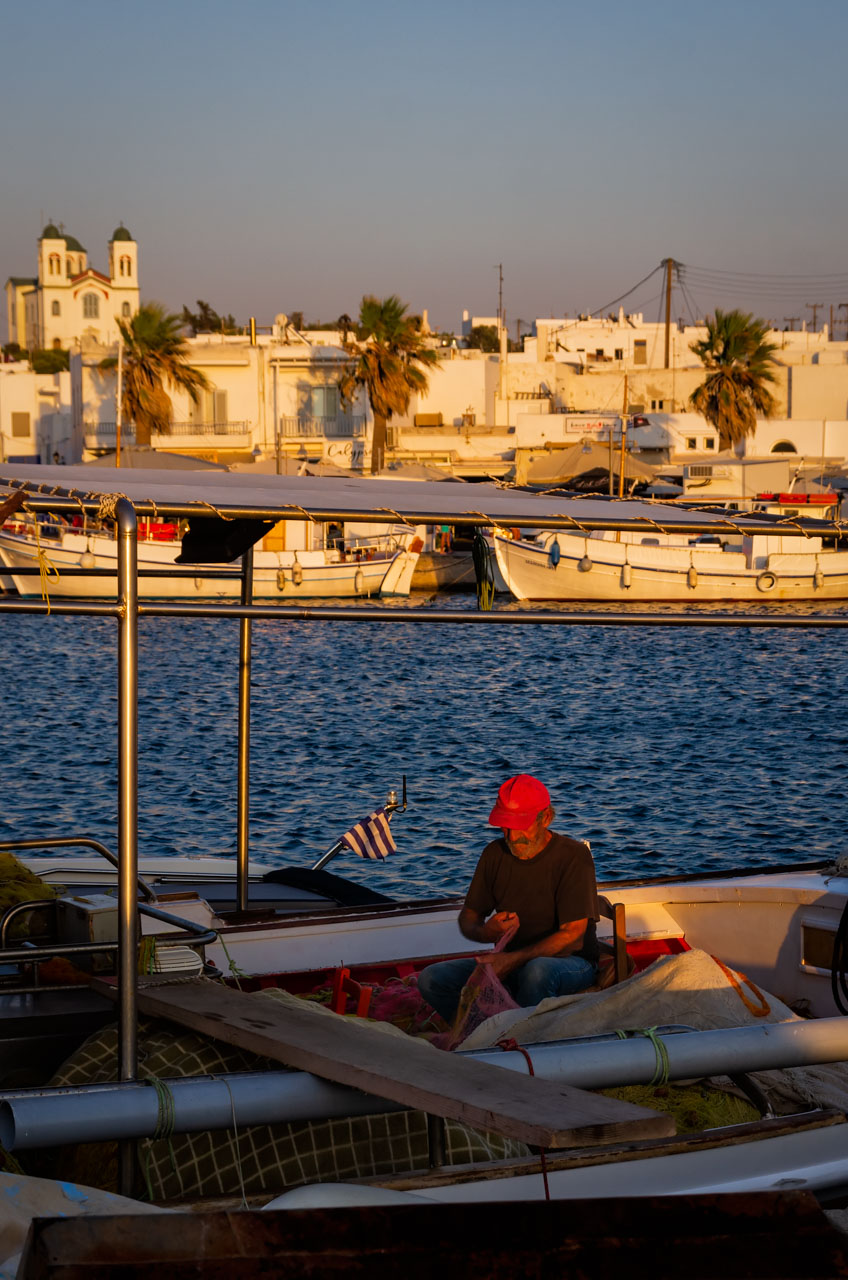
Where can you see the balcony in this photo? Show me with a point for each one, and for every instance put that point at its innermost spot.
(343, 427)
(229, 435)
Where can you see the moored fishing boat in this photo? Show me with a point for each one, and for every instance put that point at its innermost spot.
(366, 567)
(665, 566)
(786, 944)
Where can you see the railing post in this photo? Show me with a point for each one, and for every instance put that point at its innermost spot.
(243, 833)
(127, 530)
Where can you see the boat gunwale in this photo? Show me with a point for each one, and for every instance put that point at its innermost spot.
(616, 1153)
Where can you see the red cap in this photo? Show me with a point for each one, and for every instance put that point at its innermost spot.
(520, 801)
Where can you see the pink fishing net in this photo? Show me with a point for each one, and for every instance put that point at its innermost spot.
(482, 997)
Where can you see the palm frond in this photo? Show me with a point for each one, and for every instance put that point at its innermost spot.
(739, 361)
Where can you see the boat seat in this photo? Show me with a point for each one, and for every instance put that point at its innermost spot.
(616, 951)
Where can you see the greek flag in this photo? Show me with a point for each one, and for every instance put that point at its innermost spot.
(371, 838)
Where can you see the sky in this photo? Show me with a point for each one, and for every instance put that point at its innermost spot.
(290, 156)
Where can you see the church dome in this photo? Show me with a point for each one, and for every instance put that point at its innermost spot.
(51, 232)
(121, 233)
(72, 243)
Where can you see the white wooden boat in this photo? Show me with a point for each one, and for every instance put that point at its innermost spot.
(658, 566)
(372, 567)
(781, 928)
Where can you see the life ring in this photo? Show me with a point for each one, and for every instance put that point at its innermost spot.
(767, 581)
(554, 553)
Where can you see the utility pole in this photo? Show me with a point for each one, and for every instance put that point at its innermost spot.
(669, 267)
(499, 268)
(503, 344)
(843, 306)
(815, 307)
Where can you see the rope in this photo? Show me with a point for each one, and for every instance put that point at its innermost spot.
(483, 572)
(46, 567)
(513, 1046)
(231, 964)
(165, 1122)
(108, 502)
(219, 514)
(764, 1007)
(236, 1152)
(147, 955)
(661, 1074)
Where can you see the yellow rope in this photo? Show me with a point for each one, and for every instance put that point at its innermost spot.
(47, 569)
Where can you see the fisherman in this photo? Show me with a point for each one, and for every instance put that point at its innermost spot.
(536, 884)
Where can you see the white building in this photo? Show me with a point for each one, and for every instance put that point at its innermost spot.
(69, 300)
(35, 416)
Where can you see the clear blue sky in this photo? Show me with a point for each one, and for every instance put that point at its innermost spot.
(283, 156)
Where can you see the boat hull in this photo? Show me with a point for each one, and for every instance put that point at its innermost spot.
(277, 575)
(627, 571)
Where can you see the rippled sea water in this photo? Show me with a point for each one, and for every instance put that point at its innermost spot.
(671, 750)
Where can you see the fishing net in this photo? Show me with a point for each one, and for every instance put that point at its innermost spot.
(259, 1159)
(483, 996)
(19, 884)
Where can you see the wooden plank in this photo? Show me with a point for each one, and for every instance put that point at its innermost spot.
(542, 1113)
(771, 1235)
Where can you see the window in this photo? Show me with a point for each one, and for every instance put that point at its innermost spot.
(691, 442)
(126, 310)
(709, 442)
(209, 409)
(54, 265)
(125, 266)
(640, 351)
(91, 306)
(619, 353)
(325, 402)
(69, 266)
(658, 404)
(20, 424)
(55, 309)
(784, 446)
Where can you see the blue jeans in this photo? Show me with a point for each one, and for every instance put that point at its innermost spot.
(440, 984)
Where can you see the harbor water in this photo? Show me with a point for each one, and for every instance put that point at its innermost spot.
(670, 750)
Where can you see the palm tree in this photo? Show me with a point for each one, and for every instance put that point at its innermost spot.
(389, 359)
(155, 354)
(739, 362)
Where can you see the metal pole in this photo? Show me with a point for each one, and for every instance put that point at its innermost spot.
(127, 527)
(243, 832)
(118, 395)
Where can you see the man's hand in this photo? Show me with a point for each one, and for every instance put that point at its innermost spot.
(497, 925)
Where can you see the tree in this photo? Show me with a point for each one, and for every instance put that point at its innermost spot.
(50, 360)
(154, 355)
(484, 337)
(389, 360)
(739, 363)
(206, 320)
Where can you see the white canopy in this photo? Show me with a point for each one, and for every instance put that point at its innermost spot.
(330, 497)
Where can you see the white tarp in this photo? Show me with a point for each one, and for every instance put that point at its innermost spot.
(690, 990)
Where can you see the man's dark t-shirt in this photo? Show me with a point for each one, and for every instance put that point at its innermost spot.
(546, 892)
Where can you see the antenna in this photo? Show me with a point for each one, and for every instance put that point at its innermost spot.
(499, 268)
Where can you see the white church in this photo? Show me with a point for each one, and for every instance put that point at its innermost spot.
(69, 300)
